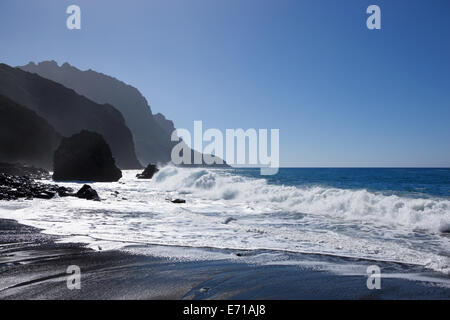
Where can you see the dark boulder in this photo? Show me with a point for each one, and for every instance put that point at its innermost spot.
(228, 220)
(149, 172)
(445, 228)
(85, 157)
(86, 192)
(64, 192)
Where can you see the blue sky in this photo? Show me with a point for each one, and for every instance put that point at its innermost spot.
(341, 95)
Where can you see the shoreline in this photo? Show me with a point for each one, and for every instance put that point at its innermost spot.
(34, 266)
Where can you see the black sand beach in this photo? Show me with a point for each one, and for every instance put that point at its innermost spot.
(33, 266)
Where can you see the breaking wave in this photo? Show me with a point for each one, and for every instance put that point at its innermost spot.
(431, 214)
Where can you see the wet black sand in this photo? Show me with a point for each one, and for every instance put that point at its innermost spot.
(33, 266)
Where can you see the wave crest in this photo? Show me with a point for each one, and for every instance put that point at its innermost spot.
(212, 184)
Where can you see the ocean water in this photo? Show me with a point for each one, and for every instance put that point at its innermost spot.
(389, 215)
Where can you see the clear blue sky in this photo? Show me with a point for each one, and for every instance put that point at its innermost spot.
(340, 94)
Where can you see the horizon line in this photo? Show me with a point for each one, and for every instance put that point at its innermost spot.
(343, 167)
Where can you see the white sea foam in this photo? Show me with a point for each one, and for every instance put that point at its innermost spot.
(428, 214)
(229, 211)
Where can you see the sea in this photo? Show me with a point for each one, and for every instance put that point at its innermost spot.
(312, 217)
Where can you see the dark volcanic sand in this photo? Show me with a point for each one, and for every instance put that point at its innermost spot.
(32, 266)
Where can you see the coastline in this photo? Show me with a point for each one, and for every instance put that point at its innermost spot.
(33, 266)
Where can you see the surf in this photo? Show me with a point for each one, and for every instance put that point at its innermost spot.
(227, 210)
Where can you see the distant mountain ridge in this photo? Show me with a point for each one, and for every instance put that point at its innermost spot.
(69, 112)
(151, 132)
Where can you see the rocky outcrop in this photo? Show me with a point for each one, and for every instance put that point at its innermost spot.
(69, 112)
(445, 228)
(86, 192)
(85, 157)
(165, 124)
(178, 201)
(148, 173)
(18, 187)
(24, 170)
(15, 187)
(25, 137)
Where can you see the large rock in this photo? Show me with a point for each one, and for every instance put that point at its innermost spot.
(85, 157)
(86, 192)
(445, 228)
(148, 173)
(178, 201)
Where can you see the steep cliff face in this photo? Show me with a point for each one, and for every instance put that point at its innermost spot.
(151, 133)
(69, 112)
(165, 124)
(25, 137)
